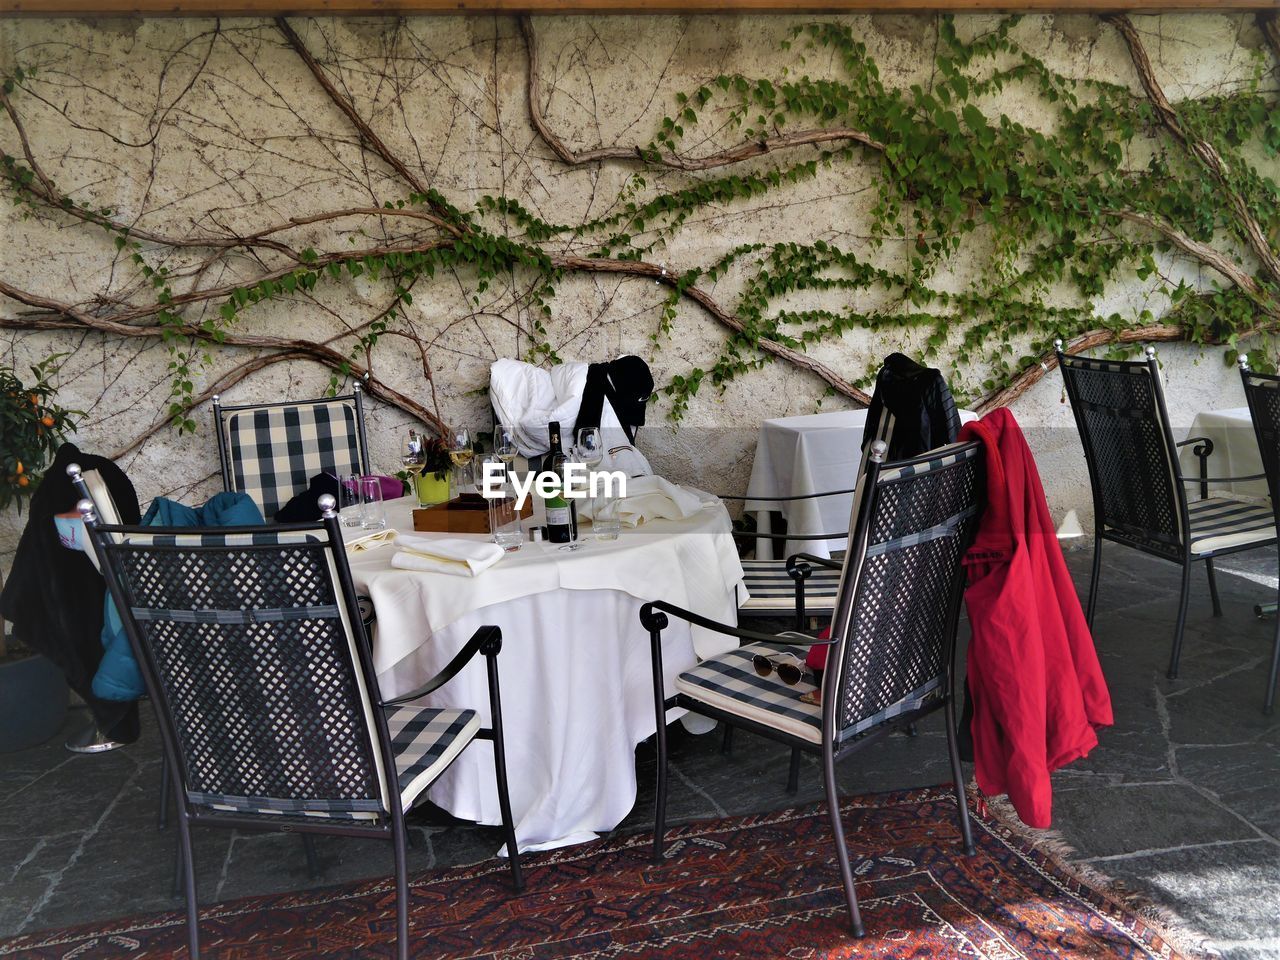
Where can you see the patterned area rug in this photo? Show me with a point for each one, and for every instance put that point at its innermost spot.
(761, 887)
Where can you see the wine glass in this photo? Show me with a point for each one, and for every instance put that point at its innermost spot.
(589, 450)
(504, 444)
(413, 457)
(461, 453)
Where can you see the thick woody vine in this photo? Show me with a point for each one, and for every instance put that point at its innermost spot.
(1071, 209)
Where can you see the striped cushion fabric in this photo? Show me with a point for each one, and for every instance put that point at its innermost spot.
(275, 451)
(770, 587)
(424, 741)
(730, 683)
(1218, 523)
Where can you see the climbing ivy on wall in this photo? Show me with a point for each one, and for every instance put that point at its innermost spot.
(988, 237)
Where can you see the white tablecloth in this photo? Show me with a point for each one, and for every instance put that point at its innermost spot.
(810, 454)
(577, 692)
(1235, 452)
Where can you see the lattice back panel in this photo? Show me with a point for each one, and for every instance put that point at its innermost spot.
(898, 634)
(254, 661)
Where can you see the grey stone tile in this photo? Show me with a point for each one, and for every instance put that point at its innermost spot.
(1231, 891)
(1107, 821)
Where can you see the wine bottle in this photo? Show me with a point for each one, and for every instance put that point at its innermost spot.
(562, 517)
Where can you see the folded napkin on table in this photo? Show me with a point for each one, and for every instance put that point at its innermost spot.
(463, 558)
(649, 498)
(371, 541)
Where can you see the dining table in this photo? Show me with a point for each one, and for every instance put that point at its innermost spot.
(1235, 452)
(575, 665)
(801, 456)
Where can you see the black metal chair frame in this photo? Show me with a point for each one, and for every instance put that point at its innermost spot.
(1181, 553)
(221, 412)
(654, 619)
(1267, 430)
(111, 542)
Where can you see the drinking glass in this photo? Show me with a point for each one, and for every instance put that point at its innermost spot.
(590, 450)
(375, 512)
(350, 504)
(504, 444)
(461, 453)
(413, 457)
(504, 519)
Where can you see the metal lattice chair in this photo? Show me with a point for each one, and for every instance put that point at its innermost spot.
(272, 450)
(892, 640)
(259, 668)
(1139, 492)
(1263, 393)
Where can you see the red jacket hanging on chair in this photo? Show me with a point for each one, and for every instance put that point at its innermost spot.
(1033, 675)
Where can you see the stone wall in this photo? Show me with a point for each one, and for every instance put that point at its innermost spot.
(190, 128)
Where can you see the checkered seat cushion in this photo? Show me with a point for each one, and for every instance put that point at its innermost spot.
(424, 741)
(730, 683)
(770, 588)
(275, 451)
(1218, 523)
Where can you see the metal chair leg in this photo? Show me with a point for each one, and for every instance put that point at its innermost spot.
(162, 816)
(1093, 579)
(655, 622)
(1269, 704)
(1213, 588)
(309, 848)
(188, 866)
(500, 772)
(842, 852)
(402, 888)
(726, 745)
(957, 775)
(1181, 623)
(793, 775)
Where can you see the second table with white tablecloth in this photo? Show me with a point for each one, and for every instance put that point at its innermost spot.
(577, 690)
(801, 456)
(1235, 452)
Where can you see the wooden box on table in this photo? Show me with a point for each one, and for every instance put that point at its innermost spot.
(467, 513)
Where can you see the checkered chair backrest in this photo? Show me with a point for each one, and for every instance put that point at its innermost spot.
(1129, 449)
(272, 451)
(1263, 393)
(251, 651)
(900, 593)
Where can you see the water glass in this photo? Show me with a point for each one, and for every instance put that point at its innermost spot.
(504, 518)
(374, 511)
(350, 504)
(606, 521)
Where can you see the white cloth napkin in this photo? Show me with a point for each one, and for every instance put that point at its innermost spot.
(649, 498)
(371, 541)
(462, 558)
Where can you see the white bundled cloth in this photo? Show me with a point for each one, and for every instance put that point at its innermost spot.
(462, 558)
(648, 498)
(526, 398)
(370, 541)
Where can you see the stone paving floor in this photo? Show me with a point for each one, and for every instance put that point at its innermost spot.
(1181, 802)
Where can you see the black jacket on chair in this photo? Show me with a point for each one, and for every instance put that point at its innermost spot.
(54, 596)
(925, 415)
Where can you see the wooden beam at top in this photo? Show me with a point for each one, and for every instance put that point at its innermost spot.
(269, 8)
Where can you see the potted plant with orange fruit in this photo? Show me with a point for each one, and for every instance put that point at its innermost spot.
(33, 691)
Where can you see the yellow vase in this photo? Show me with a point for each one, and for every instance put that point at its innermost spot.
(432, 489)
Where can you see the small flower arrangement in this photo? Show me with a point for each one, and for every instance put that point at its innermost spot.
(32, 426)
(437, 460)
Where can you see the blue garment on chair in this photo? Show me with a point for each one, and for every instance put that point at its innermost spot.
(118, 677)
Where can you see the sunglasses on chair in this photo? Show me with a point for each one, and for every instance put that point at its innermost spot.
(789, 671)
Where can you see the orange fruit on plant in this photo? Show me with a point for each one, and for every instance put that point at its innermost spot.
(20, 468)
(23, 481)
(47, 420)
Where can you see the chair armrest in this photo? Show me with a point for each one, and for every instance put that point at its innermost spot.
(486, 640)
(1252, 476)
(827, 562)
(652, 617)
(1206, 445)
